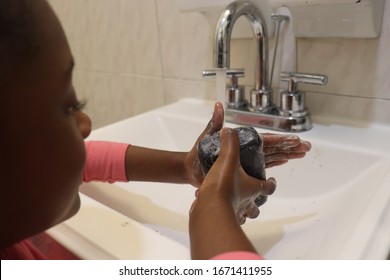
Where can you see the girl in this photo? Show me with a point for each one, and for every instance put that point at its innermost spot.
(43, 157)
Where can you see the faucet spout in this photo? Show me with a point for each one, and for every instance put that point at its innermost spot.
(222, 39)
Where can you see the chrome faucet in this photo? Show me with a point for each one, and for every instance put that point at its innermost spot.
(261, 98)
(291, 115)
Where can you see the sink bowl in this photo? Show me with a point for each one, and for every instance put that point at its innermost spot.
(329, 205)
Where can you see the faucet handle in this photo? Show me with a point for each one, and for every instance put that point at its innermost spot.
(294, 78)
(234, 93)
(231, 74)
(211, 73)
(292, 101)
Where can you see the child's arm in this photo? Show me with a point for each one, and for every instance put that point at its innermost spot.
(107, 161)
(224, 201)
(143, 164)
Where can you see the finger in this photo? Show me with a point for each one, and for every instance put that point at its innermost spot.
(271, 140)
(216, 122)
(241, 219)
(260, 187)
(302, 147)
(275, 163)
(280, 159)
(268, 187)
(230, 146)
(253, 211)
(279, 150)
(260, 200)
(307, 145)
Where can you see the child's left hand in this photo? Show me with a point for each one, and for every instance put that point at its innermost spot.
(192, 165)
(280, 148)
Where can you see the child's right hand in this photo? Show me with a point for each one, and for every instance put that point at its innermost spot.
(224, 201)
(229, 185)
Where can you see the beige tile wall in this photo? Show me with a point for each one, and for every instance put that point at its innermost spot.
(136, 55)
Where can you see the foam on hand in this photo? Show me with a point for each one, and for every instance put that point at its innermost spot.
(251, 154)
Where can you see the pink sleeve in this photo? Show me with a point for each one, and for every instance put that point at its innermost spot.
(105, 161)
(23, 250)
(38, 247)
(238, 255)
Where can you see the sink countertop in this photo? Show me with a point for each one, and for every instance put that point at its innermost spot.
(301, 218)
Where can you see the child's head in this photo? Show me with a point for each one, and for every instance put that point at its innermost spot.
(42, 150)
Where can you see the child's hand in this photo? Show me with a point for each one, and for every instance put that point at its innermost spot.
(228, 187)
(223, 202)
(279, 148)
(192, 165)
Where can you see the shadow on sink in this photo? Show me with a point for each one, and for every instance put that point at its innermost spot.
(266, 234)
(141, 208)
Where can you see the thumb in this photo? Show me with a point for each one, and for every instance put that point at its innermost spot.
(216, 122)
(217, 119)
(230, 146)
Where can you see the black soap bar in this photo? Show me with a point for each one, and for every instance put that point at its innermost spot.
(251, 154)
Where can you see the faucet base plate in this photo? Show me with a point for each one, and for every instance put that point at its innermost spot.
(270, 121)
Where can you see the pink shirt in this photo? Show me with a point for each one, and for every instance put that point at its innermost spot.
(105, 162)
(238, 255)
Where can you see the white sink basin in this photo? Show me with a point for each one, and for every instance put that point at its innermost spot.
(330, 205)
